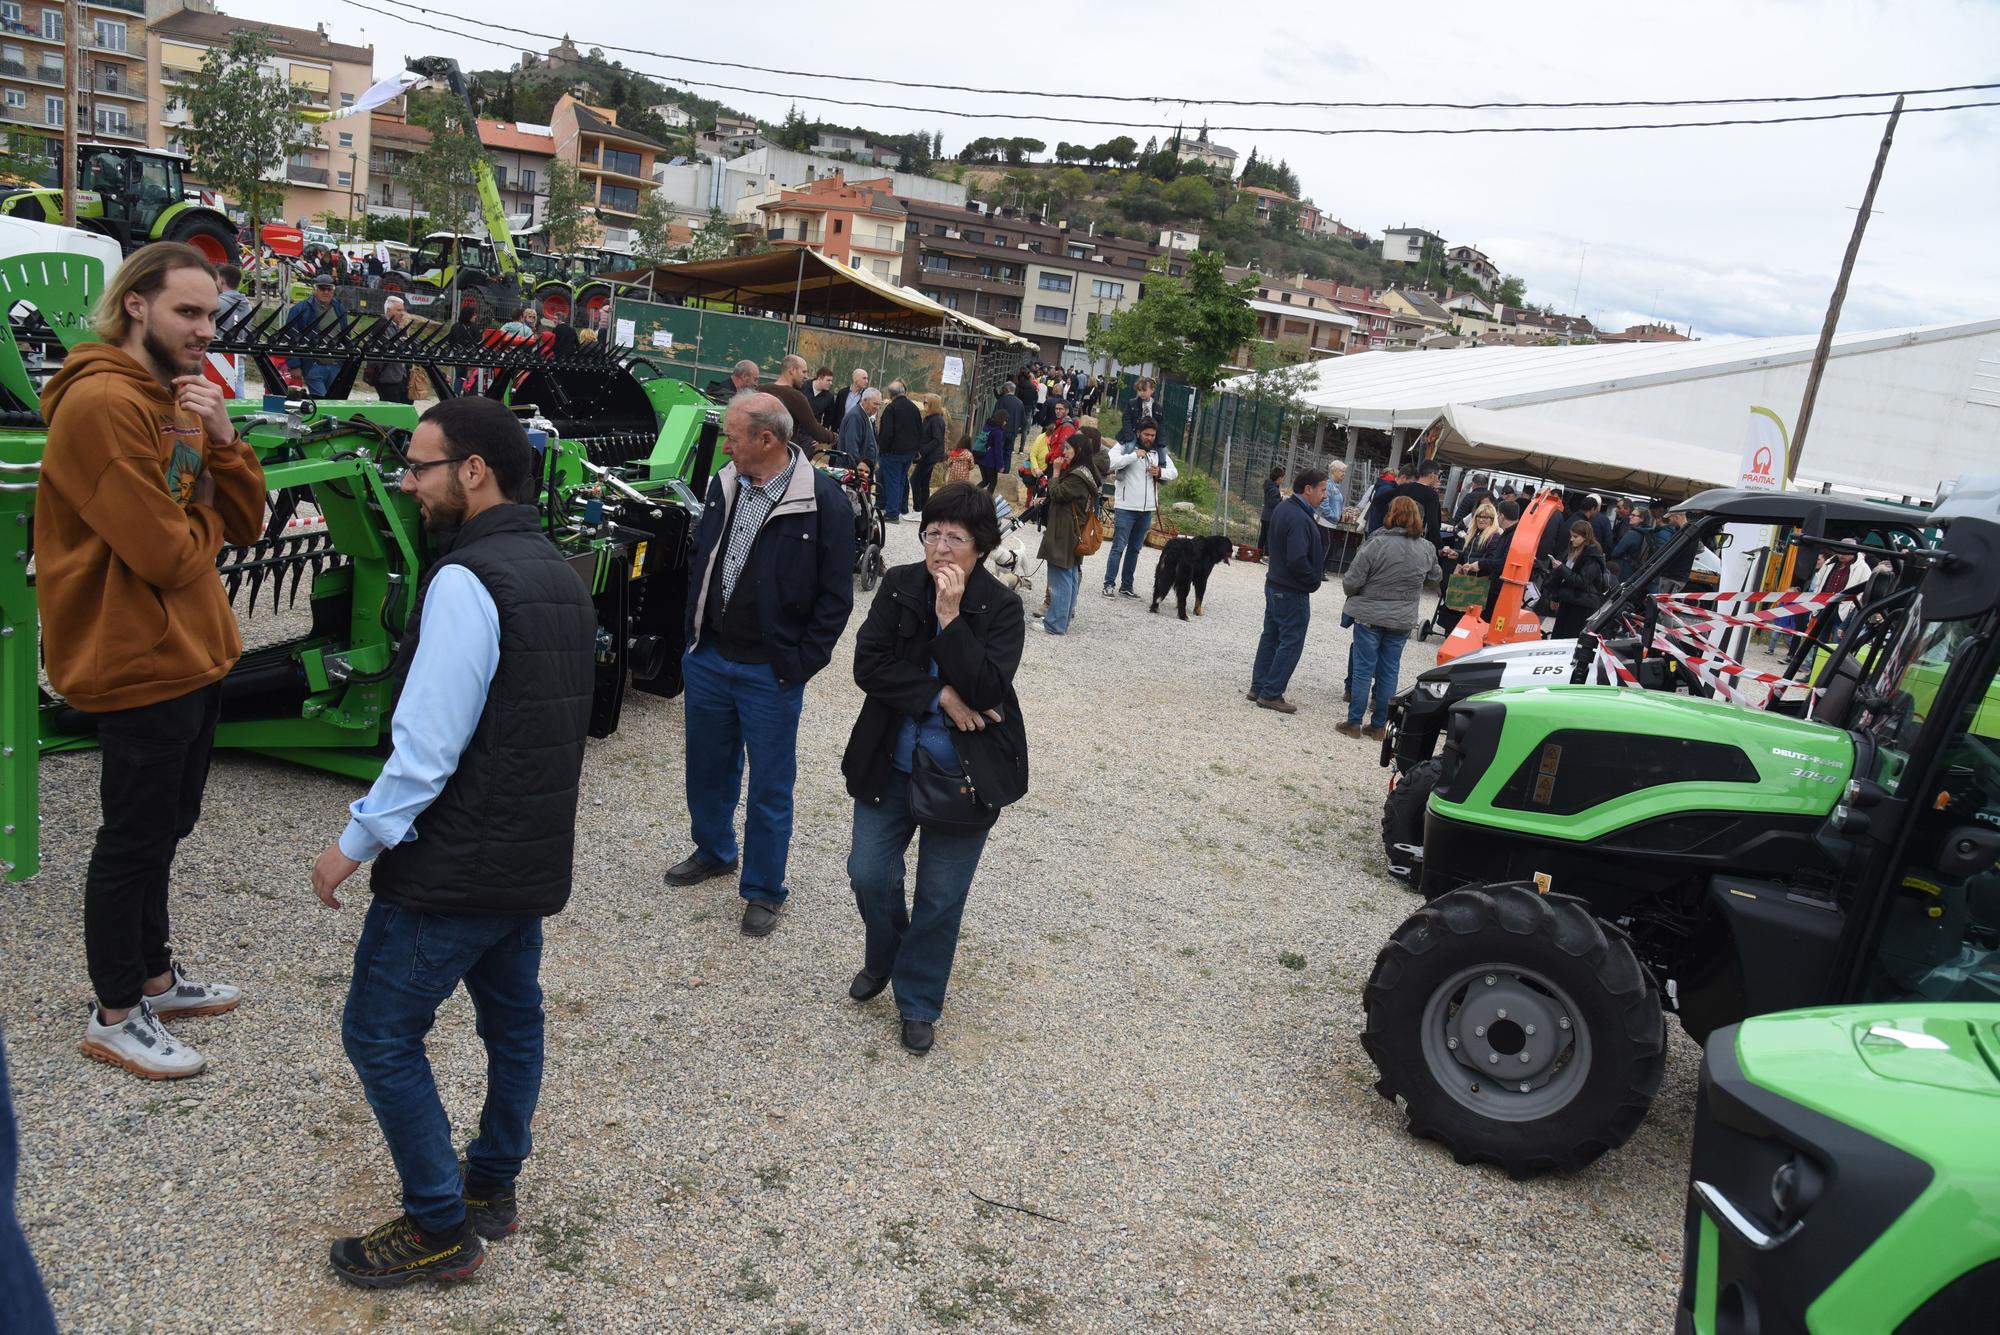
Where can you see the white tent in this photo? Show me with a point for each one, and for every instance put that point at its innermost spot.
(1526, 441)
(1899, 411)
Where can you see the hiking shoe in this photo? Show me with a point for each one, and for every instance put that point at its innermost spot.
(1278, 703)
(1251, 696)
(1373, 734)
(1348, 729)
(1110, 592)
(140, 1044)
(186, 997)
(400, 1253)
(491, 1210)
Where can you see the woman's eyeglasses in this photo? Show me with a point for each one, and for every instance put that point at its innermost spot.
(951, 542)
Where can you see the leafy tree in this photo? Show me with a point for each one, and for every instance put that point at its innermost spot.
(714, 239)
(1512, 292)
(567, 215)
(1019, 150)
(443, 178)
(1141, 199)
(1123, 150)
(1190, 196)
(652, 230)
(793, 132)
(937, 145)
(243, 123)
(1284, 215)
(1068, 152)
(1189, 327)
(1097, 156)
(1069, 185)
(982, 149)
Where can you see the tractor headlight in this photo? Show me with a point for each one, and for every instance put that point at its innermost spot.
(1794, 1188)
(1434, 689)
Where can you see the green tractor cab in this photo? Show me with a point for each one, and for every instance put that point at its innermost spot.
(132, 195)
(1597, 856)
(1845, 1174)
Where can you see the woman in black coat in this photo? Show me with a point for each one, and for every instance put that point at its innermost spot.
(935, 659)
(1574, 584)
(1274, 496)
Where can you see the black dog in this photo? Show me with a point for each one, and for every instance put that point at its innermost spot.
(1185, 562)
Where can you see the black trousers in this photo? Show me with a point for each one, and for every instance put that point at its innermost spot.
(155, 767)
(920, 481)
(988, 477)
(393, 391)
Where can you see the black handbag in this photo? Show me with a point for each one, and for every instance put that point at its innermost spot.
(945, 802)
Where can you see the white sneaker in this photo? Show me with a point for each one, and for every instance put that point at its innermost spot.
(142, 1045)
(188, 998)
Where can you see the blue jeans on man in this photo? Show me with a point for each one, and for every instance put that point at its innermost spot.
(912, 945)
(1286, 614)
(736, 711)
(1128, 536)
(896, 483)
(405, 966)
(319, 377)
(1378, 655)
(1062, 599)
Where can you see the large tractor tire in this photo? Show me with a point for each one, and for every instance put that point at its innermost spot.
(216, 242)
(1516, 1030)
(1403, 816)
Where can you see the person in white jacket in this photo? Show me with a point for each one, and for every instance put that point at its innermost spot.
(1142, 467)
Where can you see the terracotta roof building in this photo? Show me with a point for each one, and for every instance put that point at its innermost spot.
(858, 224)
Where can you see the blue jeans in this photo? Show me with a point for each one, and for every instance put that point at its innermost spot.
(24, 1303)
(405, 965)
(896, 483)
(1128, 536)
(319, 377)
(1062, 599)
(1286, 614)
(1378, 654)
(736, 711)
(910, 945)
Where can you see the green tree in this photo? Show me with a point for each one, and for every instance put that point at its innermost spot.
(714, 239)
(1284, 216)
(1513, 291)
(243, 123)
(1069, 185)
(1124, 150)
(443, 178)
(651, 231)
(566, 215)
(793, 132)
(1189, 327)
(1190, 196)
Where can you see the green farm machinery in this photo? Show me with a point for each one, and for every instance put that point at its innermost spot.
(334, 578)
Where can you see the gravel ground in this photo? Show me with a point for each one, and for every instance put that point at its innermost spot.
(725, 1142)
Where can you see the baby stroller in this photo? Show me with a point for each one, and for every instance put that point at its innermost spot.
(857, 480)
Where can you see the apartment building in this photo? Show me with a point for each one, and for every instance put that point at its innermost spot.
(332, 176)
(106, 90)
(1045, 281)
(858, 224)
(615, 163)
(520, 153)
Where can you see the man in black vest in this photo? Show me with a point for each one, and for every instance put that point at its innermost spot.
(769, 591)
(472, 828)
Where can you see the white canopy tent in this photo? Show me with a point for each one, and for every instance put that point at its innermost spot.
(1525, 441)
(1899, 410)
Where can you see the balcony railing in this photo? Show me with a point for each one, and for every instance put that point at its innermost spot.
(48, 74)
(13, 69)
(126, 129)
(129, 6)
(118, 84)
(800, 235)
(305, 175)
(17, 28)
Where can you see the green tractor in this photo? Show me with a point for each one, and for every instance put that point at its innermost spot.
(1846, 1175)
(1595, 856)
(132, 195)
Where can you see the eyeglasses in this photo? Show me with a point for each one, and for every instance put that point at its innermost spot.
(416, 467)
(951, 542)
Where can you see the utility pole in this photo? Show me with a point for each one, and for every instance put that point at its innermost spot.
(68, 174)
(1797, 451)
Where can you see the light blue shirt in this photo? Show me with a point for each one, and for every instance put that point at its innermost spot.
(1334, 505)
(458, 651)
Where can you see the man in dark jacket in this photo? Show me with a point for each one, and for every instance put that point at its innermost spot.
(1017, 414)
(769, 591)
(1476, 491)
(472, 828)
(1296, 565)
(901, 439)
(1600, 522)
(1422, 488)
(836, 412)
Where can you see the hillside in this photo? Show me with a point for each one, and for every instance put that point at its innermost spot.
(1127, 202)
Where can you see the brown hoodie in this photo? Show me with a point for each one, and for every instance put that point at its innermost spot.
(132, 610)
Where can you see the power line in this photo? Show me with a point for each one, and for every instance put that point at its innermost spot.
(1183, 101)
(1323, 131)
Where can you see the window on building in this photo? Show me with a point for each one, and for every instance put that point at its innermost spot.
(985, 270)
(618, 160)
(1051, 315)
(999, 238)
(111, 120)
(110, 35)
(883, 236)
(347, 139)
(977, 238)
(347, 99)
(344, 179)
(854, 261)
(1134, 262)
(938, 263)
(52, 25)
(1285, 298)
(1077, 252)
(52, 110)
(10, 12)
(881, 268)
(938, 229)
(837, 225)
(1054, 282)
(499, 174)
(16, 98)
(618, 198)
(52, 66)
(527, 180)
(14, 59)
(1110, 291)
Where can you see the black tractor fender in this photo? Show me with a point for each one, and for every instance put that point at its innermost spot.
(1763, 946)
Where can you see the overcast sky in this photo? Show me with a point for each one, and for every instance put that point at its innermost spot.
(1735, 231)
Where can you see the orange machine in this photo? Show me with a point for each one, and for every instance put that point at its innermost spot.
(1510, 624)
